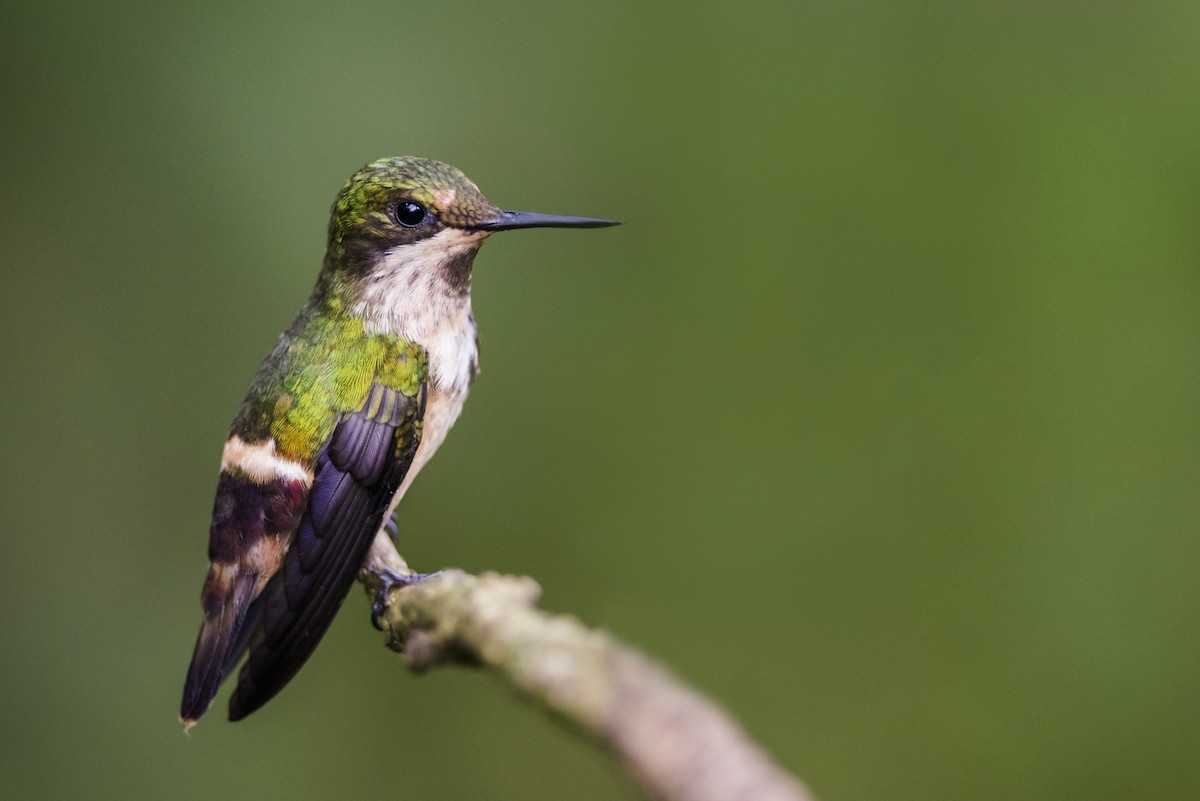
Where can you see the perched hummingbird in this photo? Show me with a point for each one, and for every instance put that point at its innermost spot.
(359, 392)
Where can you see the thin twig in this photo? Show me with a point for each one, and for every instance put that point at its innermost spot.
(679, 745)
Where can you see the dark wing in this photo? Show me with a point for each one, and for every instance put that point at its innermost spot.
(356, 476)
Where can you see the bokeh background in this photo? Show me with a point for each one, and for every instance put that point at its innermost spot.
(878, 421)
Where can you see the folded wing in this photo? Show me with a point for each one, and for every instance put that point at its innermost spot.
(356, 476)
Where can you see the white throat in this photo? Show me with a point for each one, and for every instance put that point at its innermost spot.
(408, 295)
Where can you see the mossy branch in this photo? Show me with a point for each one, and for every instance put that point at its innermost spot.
(679, 745)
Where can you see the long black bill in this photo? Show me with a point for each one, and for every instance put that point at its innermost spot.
(508, 220)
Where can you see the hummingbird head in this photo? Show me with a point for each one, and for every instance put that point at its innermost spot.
(424, 214)
(403, 239)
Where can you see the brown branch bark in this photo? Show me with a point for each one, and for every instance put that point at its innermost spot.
(679, 745)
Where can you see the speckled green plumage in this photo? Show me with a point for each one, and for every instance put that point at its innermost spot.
(359, 207)
(323, 367)
(325, 363)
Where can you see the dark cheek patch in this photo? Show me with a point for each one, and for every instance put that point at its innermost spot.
(456, 271)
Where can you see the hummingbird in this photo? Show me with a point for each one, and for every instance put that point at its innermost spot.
(352, 402)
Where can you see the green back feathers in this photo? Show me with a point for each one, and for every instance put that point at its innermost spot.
(323, 367)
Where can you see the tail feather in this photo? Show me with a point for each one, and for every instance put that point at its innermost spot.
(244, 640)
(227, 597)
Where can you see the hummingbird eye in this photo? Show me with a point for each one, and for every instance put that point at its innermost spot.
(410, 213)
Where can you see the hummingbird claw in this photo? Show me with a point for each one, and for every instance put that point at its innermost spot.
(392, 527)
(389, 580)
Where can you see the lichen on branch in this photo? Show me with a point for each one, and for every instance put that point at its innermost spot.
(678, 744)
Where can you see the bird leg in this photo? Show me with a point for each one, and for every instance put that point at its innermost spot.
(384, 569)
(388, 580)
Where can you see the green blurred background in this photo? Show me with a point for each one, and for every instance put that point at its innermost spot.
(878, 421)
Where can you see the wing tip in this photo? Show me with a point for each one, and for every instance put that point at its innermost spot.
(248, 698)
(236, 712)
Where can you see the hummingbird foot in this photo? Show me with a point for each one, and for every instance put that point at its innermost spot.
(389, 580)
(392, 526)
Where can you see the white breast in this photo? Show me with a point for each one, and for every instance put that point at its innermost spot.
(407, 296)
